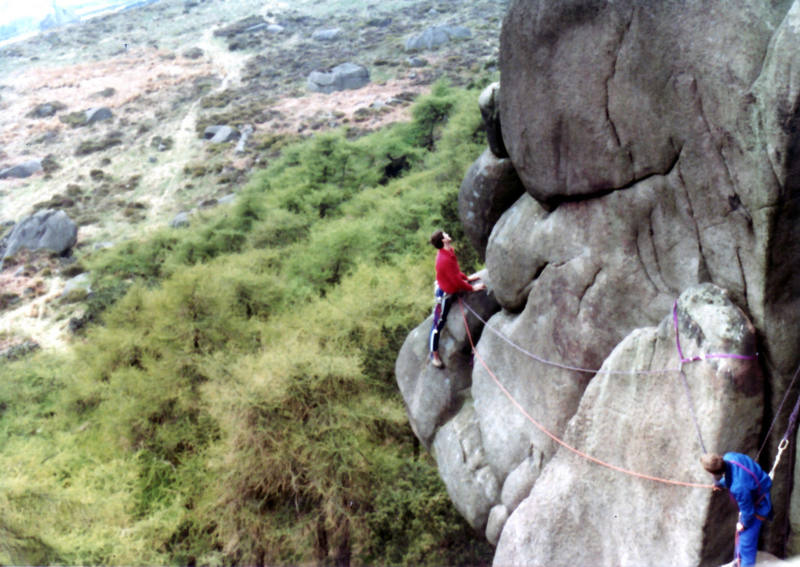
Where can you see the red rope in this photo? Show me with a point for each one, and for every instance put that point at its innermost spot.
(556, 439)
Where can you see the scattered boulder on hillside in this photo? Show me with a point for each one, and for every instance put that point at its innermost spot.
(342, 77)
(86, 117)
(46, 109)
(45, 230)
(181, 220)
(98, 114)
(490, 187)
(436, 36)
(22, 170)
(415, 61)
(193, 53)
(219, 134)
(330, 34)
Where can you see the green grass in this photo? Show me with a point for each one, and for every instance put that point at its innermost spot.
(234, 400)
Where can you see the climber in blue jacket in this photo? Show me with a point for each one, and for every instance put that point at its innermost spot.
(750, 487)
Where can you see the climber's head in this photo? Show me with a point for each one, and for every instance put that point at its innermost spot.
(713, 463)
(439, 239)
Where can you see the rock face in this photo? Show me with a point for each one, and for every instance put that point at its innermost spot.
(648, 414)
(657, 147)
(490, 187)
(342, 77)
(47, 229)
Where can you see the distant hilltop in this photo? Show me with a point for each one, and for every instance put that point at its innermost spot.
(59, 15)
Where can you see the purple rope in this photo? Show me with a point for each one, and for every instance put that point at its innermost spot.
(558, 364)
(792, 420)
(702, 356)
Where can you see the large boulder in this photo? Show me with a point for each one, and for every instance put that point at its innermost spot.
(22, 170)
(657, 144)
(490, 187)
(45, 230)
(220, 134)
(636, 415)
(342, 77)
(98, 114)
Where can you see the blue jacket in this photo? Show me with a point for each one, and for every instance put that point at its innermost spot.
(749, 485)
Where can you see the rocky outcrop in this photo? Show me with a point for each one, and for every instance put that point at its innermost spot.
(490, 187)
(639, 401)
(220, 134)
(45, 230)
(22, 170)
(657, 147)
(98, 114)
(342, 77)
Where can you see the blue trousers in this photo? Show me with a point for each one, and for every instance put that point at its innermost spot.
(441, 308)
(748, 544)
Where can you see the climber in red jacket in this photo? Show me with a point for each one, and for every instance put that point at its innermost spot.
(450, 281)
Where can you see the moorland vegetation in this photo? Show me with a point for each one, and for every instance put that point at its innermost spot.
(232, 398)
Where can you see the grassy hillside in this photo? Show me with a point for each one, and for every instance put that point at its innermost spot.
(233, 400)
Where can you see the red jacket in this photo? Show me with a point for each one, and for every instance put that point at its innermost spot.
(448, 273)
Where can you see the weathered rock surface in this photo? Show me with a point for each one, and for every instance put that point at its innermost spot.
(490, 187)
(342, 77)
(47, 229)
(650, 420)
(657, 146)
